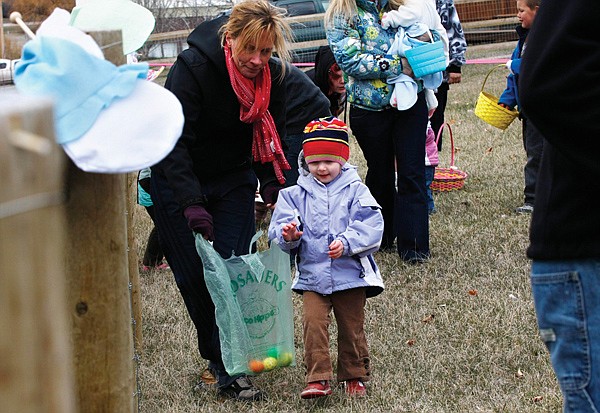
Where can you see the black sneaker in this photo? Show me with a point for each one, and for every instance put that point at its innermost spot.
(242, 389)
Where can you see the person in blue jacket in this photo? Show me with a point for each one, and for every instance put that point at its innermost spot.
(533, 141)
(333, 225)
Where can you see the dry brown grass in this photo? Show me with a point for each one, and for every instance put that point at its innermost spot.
(468, 312)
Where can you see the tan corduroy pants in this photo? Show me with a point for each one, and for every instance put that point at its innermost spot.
(353, 355)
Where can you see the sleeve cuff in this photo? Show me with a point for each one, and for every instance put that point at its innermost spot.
(453, 69)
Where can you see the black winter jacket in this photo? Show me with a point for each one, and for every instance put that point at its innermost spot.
(560, 93)
(305, 102)
(214, 142)
(320, 76)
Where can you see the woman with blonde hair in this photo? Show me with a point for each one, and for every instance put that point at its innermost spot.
(387, 136)
(233, 98)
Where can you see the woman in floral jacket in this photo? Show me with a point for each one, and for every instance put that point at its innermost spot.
(387, 136)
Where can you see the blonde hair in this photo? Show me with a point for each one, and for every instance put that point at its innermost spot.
(251, 19)
(394, 4)
(343, 8)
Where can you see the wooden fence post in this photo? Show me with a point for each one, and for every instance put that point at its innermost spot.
(134, 275)
(36, 362)
(98, 275)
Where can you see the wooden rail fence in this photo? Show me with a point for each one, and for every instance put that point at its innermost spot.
(69, 282)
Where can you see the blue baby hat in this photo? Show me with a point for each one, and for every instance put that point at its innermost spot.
(108, 119)
(82, 85)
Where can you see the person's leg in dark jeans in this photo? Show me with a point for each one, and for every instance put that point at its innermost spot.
(231, 203)
(533, 142)
(411, 214)
(437, 120)
(153, 254)
(429, 175)
(373, 132)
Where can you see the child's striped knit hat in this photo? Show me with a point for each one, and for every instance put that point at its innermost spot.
(326, 139)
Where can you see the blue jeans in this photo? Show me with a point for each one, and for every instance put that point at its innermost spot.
(567, 304)
(386, 137)
(429, 174)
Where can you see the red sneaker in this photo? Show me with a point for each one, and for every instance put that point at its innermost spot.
(355, 387)
(316, 389)
(161, 266)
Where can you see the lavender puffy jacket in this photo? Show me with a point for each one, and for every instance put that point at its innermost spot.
(345, 210)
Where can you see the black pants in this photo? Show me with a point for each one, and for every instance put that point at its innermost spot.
(231, 204)
(153, 254)
(391, 137)
(437, 120)
(533, 142)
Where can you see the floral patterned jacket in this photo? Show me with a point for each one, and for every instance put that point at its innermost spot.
(360, 47)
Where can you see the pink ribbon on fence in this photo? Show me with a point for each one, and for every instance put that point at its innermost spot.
(483, 61)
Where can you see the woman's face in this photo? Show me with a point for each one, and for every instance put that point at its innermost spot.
(525, 14)
(250, 59)
(336, 80)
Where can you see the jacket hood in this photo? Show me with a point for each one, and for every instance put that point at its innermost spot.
(323, 61)
(205, 37)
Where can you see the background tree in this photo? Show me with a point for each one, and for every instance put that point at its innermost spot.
(38, 10)
(172, 15)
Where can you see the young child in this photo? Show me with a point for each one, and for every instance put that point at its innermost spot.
(333, 225)
(328, 76)
(431, 161)
(533, 141)
(417, 21)
(153, 254)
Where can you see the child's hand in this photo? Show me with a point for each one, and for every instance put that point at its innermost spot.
(290, 232)
(430, 112)
(406, 69)
(454, 78)
(336, 248)
(385, 21)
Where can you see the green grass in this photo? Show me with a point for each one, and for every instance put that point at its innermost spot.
(480, 352)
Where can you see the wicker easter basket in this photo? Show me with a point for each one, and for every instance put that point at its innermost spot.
(450, 178)
(488, 109)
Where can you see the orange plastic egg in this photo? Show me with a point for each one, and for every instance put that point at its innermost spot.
(256, 366)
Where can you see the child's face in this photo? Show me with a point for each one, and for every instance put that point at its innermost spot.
(336, 80)
(525, 14)
(325, 171)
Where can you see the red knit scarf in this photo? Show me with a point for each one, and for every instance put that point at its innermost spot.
(254, 97)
